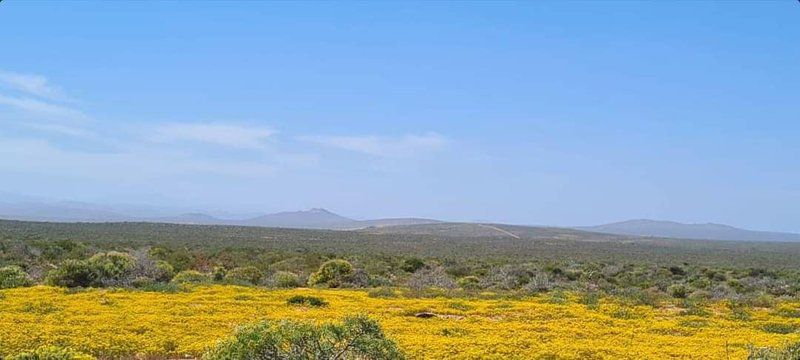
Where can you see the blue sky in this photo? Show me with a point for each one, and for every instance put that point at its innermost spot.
(560, 113)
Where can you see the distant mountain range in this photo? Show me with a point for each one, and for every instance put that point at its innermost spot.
(671, 229)
(323, 219)
(81, 212)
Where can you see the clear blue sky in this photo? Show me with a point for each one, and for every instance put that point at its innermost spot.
(534, 112)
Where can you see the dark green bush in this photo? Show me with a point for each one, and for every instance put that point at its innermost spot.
(191, 277)
(284, 279)
(679, 291)
(412, 265)
(306, 301)
(780, 328)
(13, 276)
(356, 338)
(74, 273)
(112, 267)
(248, 275)
(791, 352)
(332, 273)
(469, 282)
(164, 271)
(51, 353)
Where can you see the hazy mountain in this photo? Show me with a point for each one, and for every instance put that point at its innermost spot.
(678, 230)
(190, 218)
(379, 223)
(308, 219)
(64, 211)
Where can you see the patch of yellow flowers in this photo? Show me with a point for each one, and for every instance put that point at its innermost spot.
(123, 323)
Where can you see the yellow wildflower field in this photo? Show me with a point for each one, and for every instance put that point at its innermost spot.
(123, 323)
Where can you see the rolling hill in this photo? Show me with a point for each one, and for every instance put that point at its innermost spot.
(678, 230)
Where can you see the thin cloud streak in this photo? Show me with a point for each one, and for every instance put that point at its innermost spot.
(235, 136)
(31, 84)
(381, 146)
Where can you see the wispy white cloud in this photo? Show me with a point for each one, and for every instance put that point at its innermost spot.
(31, 101)
(31, 84)
(236, 136)
(44, 108)
(382, 146)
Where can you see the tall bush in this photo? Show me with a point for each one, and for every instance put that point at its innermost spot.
(332, 273)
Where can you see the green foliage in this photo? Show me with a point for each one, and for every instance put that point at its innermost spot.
(219, 272)
(412, 265)
(382, 292)
(112, 267)
(285, 280)
(164, 271)
(332, 273)
(51, 353)
(191, 277)
(679, 291)
(74, 273)
(356, 338)
(248, 275)
(307, 301)
(780, 328)
(791, 352)
(13, 276)
(469, 282)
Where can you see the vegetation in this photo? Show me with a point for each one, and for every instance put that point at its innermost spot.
(127, 323)
(791, 352)
(581, 294)
(356, 338)
(306, 301)
(13, 276)
(51, 353)
(332, 273)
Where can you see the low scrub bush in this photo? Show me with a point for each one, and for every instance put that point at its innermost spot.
(790, 352)
(74, 273)
(249, 275)
(113, 268)
(191, 277)
(307, 301)
(355, 338)
(13, 276)
(332, 273)
(284, 280)
(780, 328)
(51, 353)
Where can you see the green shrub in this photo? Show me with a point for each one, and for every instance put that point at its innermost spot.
(791, 352)
(247, 275)
(191, 277)
(112, 267)
(780, 328)
(284, 279)
(331, 273)
(678, 291)
(13, 276)
(382, 292)
(469, 282)
(219, 272)
(591, 299)
(307, 301)
(164, 271)
(356, 338)
(74, 273)
(412, 265)
(51, 353)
